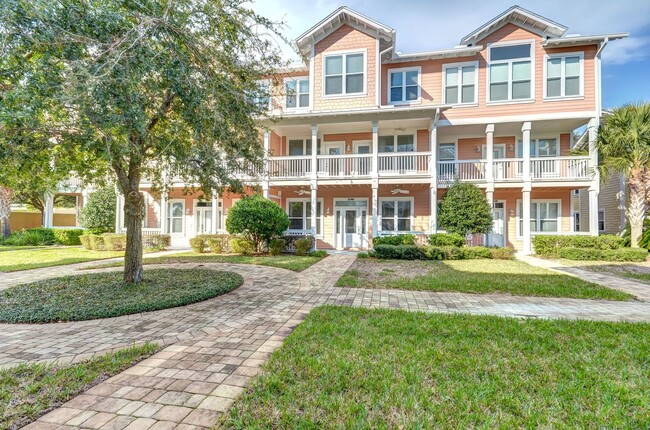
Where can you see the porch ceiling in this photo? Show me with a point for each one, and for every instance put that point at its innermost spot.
(555, 126)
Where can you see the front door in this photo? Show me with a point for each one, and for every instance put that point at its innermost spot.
(332, 166)
(362, 164)
(203, 220)
(497, 235)
(352, 228)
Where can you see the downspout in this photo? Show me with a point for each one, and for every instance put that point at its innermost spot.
(598, 77)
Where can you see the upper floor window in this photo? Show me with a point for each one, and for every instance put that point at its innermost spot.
(262, 98)
(564, 75)
(540, 148)
(302, 146)
(399, 143)
(296, 92)
(404, 85)
(460, 83)
(510, 73)
(447, 151)
(344, 74)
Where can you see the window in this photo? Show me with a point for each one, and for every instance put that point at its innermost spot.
(262, 97)
(544, 216)
(296, 92)
(301, 146)
(564, 76)
(447, 152)
(175, 212)
(397, 143)
(396, 214)
(510, 73)
(344, 74)
(404, 85)
(299, 212)
(576, 221)
(539, 148)
(601, 220)
(460, 83)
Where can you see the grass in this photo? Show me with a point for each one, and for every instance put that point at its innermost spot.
(104, 295)
(473, 276)
(285, 261)
(48, 257)
(636, 271)
(18, 248)
(28, 391)
(376, 369)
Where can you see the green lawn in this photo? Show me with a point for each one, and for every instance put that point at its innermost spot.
(50, 256)
(472, 276)
(30, 390)
(285, 261)
(378, 369)
(18, 248)
(636, 271)
(104, 295)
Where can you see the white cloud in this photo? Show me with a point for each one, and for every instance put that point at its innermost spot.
(627, 50)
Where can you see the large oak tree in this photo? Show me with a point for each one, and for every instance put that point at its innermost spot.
(143, 87)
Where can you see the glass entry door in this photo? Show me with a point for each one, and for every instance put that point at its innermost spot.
(203, 220)
(351, 228)
(497, 235)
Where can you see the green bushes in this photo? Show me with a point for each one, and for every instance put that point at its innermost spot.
(45, 236)
(98, 215)
(304, 245)
(114, 241)
(363, 255)
(97, 242)
(446, 239)
(216, 243)
(592, 254)
(156, 242)
(276, 246)
(319, 254)
(240, 245)
(85, 241)
(548, 245)
(258, 219)
(68, 236)
(198, 244)
(398, 239)
(413, 252)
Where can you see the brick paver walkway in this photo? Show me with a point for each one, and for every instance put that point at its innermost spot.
(639, 289)
(216, 346)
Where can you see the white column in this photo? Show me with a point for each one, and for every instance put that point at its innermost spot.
(163, 212)
(265, 168)
(526, 221)
(433, 170)
(433, 209)
(489, 153)
(314, 151)
(119, 213)
(314, 207)
(375, 149)
(593, 211)
(525, 131)
(594, 188)
(375, 212)
(84, 197)
(214, 213)
(48, 215)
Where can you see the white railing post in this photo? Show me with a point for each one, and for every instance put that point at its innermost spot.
(525, 130)
(214, 212)
(526, 221)
(489, 152)
(314, 151)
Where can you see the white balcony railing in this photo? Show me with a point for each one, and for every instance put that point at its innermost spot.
(401, 163)
(290, 167)
(508, 169)
(560, 168)
(461, 170)
(356, 165)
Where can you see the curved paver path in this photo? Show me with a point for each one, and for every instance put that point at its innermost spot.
(216, 346)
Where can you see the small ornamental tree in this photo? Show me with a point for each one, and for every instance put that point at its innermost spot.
(98, 215)
(257, 218)
(464, 209)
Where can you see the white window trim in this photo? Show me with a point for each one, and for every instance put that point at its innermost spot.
(364, 93)
(604, 220)
(307, 201)
(581, 95)
(168, 213)
(335, 208)
(395, 217)
(573, 221)
(363, 142)
(394, 134)
(542, 137)
(404, 70)
(455, 151)
(297, 80)
(532, 73)
(306, 142)
(268, 84)
(460, 83)
(519, 216)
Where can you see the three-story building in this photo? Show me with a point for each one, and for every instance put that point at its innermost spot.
(368, 138)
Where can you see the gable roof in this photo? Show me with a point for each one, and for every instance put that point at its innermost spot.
(345, 15)
(521, 17)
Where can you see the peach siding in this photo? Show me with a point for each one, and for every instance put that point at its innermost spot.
(343, 39)
(276, 144)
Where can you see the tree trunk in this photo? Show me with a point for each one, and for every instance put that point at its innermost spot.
(637, 207)
(6, 228)
(133, 215)
(5, 210)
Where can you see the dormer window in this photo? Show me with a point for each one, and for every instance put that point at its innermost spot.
(345, 74)
(510, 72)
(404, 85)
(296, 92)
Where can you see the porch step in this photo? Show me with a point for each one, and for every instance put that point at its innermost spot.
(321, 244)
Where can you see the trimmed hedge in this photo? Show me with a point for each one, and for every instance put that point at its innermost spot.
(413, 252)
(398, 239)
(156, 242)
(85, 241)
(242, 246)
(218, 243)
(548, 245)
(97, 242)
(114, 241)
(198, 244)
(446, 239)
(68, 236)
(276, 246)
(303, 246)
(591, 254)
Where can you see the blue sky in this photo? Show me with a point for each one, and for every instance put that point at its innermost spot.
(424, 25)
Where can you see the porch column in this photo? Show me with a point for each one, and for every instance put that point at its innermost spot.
(433, 170)
(525, 131)
(526, 220)
(48, 215)
(214, 212)
(375, 149)
(119, 213)
(314, 207)
(163, 212)
(314, 152)
(265, 167)
(84, 197)
(594, 188)
(375, 211)
(489, 153)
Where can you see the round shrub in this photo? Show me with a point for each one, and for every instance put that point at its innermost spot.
(114, 241)
(240, 245)
(98, 215)
(303, 246)
(446, 239)
(198, 244)
(276, 246)
(258, 219)
(464, 209)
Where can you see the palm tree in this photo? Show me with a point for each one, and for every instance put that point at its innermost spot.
(624, 147)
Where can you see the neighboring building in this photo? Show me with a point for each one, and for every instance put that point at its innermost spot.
(611, 207)
(369, 138)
